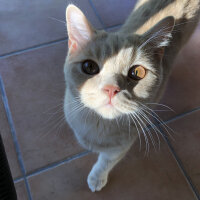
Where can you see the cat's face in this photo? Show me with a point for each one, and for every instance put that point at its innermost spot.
(113, 73)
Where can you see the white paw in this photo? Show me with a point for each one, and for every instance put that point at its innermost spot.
(96, 183)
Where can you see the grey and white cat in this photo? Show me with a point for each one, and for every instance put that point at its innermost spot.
(110, 77)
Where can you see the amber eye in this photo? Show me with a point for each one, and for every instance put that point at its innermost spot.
(90, 67)
(137, 72)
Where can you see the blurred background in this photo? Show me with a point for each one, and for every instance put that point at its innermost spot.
(45, 159)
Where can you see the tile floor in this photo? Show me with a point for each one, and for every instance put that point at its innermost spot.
(45, 159)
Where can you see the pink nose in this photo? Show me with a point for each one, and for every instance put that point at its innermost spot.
(111, 90)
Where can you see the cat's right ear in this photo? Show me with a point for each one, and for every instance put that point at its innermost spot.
(80, 32)
(160, 35)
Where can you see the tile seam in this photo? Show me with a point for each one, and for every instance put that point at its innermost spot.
(184, 114)
(17, 180)
(32, 48)
(97, 14)
(14, 136)
(179, 162)
(114, 26)
(57, 164)
(53, 165)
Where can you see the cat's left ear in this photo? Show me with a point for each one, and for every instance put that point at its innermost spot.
(80, 32)
(160, 35)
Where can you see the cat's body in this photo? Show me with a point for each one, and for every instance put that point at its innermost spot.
(105, 100)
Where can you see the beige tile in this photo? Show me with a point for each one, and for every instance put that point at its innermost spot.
(136, 177)
(28, 23)
(21, 190)
(34, 83)
(8, 142)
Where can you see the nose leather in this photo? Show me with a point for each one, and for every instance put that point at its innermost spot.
(111, 90)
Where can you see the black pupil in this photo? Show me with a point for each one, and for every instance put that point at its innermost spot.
(90, 67)
(133, 73)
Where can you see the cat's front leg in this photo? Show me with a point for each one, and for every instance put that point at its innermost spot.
(98, 176)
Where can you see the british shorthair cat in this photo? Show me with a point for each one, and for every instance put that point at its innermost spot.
(111, 77)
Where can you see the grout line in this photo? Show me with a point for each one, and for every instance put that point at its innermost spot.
(53, 166)
(96, 13)
(182, 115)
(177, 117)
(180, 165)
(57, 164)
(176, 157)
(17, 52)
(28, 189)
(114, 26)
(18, 179)
(14, 136)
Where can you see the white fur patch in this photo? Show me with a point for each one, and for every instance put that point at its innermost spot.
(166, 40)
(117, 63)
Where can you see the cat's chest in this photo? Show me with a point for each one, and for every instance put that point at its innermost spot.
(97, 135)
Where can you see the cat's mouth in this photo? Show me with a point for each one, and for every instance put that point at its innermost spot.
(109, 106)
(108, 110)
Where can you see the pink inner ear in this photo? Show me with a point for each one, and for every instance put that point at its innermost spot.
(72, 46)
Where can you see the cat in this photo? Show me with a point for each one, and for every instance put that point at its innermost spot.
(110, 77)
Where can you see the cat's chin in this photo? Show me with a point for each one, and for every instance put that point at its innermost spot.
(108, 112)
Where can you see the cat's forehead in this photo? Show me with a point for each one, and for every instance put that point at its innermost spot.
(118, 62)
(107, 46)
(116, 53)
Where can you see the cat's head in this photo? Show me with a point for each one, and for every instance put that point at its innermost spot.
(113, 73)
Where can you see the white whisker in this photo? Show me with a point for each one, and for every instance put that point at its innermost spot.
(156, 117)
(152, 125)
(159, 104)
(148, 130)
(145, 136)
(57, 20)
(137, 131)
